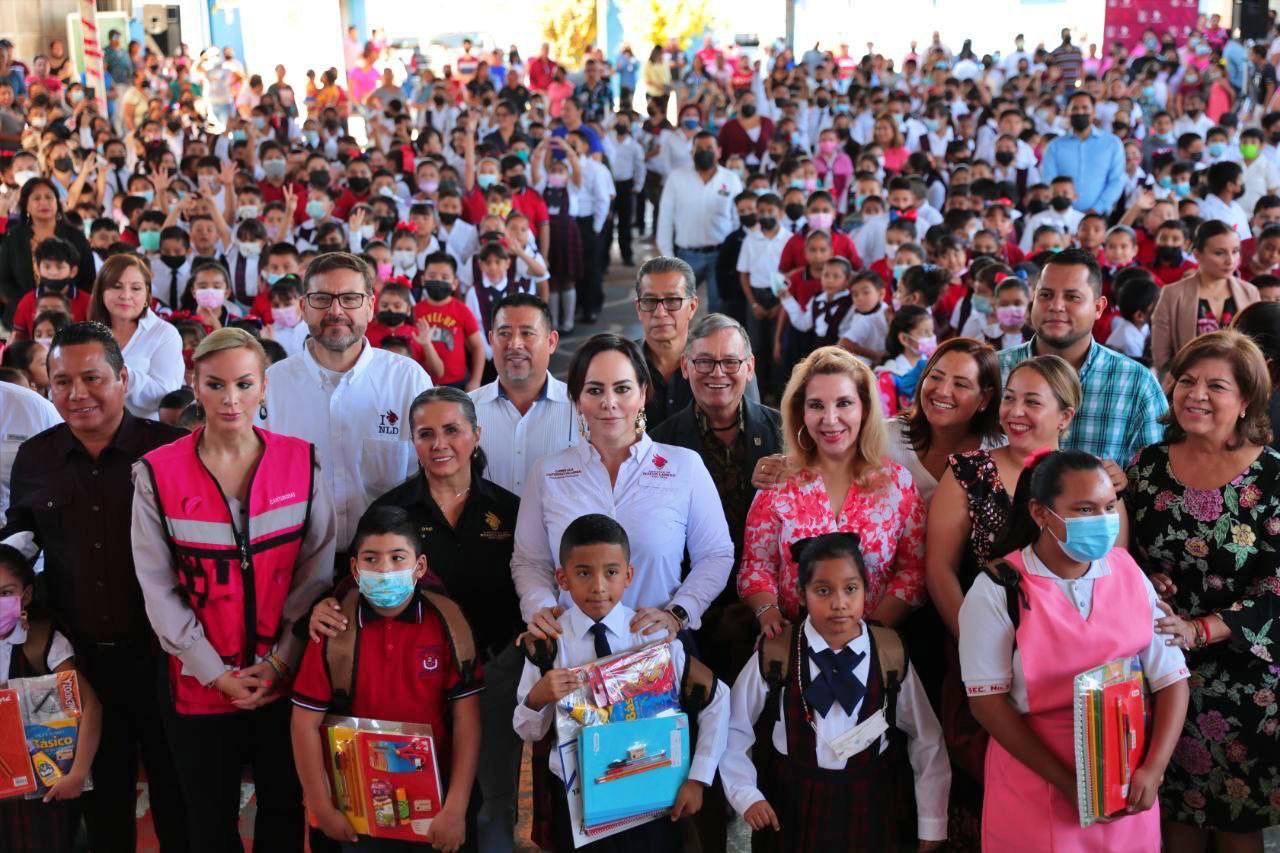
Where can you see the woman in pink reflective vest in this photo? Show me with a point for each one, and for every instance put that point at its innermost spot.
(234, 538)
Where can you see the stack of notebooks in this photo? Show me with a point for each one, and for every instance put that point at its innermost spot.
(1110, 736)
(623, 743)
(39, 731)
(383, 776)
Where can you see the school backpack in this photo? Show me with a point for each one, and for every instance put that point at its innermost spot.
(1015, 597)
(35, 650)
(775, 664)
(340, 653)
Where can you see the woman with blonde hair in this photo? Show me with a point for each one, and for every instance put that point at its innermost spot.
(233, 539)
(152, 348)
(841, 480)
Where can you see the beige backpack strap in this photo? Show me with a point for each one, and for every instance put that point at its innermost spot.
(775, 656)
(892, 657)
(36, 647)
(460, 637)
(340, 654)
(699, 685)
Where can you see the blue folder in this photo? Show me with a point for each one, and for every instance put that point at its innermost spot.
(632, 767)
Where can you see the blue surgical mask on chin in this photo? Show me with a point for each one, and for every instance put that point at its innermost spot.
(387, 589)
(1089, 537)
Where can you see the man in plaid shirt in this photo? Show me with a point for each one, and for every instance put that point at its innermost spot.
(1122, 399)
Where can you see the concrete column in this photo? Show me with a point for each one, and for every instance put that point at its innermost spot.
(30, 24)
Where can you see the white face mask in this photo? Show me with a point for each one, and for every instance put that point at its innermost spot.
(249, 250)
(22, 177)
(45, 342)
(405, 259)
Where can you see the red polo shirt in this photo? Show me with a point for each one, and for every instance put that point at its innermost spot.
(533, 207)
(841, 247)
(25, 314)
(404, 672)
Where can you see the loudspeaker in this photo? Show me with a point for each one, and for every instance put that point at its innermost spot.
(1252, 19)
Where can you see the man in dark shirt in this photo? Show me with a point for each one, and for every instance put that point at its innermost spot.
(71, 496)
(731, 434)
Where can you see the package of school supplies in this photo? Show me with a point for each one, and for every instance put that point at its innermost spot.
(51, 711)
(632, 768)
(639, 684)
(384, 776)
(1110, 736)
(16, 776)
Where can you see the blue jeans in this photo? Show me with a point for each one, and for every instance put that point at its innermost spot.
(704, 270)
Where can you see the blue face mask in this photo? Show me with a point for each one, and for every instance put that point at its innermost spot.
(312, 137)
(899, 270)
(981, 304)
(1089, 537)
(1217, 149)
(690, 124)
(486, 181)
(387, 589)
(273, 277)
(1165, 181)
(1182, 190)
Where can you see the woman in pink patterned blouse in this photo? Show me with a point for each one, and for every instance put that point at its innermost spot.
(843, 481)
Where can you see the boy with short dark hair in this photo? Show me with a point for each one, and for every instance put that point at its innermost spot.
(57, 265)
(595, 569)
(1136, 295)
(401, 669)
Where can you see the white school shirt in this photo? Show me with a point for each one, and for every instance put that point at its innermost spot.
(513, 442)
(1066, 223)
(925, 747)
(576, 646)
(154, 358)
(813, 317)
(694, 213)
(60, 652)
(1212, 207)
(291, 338)
(761, 254)
(358, 421)
(166, 284)
(991, 663)
(626, 158)
(664, 498)
(867, 330)
(596, 199)
(23, 413)
(1128, 338)
(460, 240)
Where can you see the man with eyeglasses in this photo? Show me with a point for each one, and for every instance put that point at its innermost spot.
(348, 398)
(666, 301)
(507, 132)
(731, 433)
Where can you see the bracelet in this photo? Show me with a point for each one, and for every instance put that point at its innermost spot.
(1199, 641)
(762, 608)
(277, 663)
(1202, 624)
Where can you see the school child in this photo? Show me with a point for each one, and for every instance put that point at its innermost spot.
(758, 275)
(393, 318)
(864, 329)
(820, 215)
(409, 657)
(920, 285)
(898, 233)
(1013, 301)
(287, 328)
(1065, 599)
(30, 646)
(1091, 234)
(1047, 238)
(561, 193)
(828, 309)
(796, 766)
(790, 344)
(951, 257)
(404, 251)
(595, 570)
(1266, 255)
(1268, 288)
(57, 265)
(908, 255)
(981, 301)
(1136, 295)
(46, 325)
(728, 282)
(493, 278)
(208, 295)
(528, 262)
(997, 218)
(244, 261)
(1171, 262)
(456, 354)
(910, 340)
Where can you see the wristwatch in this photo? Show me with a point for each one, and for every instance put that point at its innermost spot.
(682, 615)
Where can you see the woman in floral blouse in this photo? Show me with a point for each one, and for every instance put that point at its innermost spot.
(1205, 509)
(834, 437)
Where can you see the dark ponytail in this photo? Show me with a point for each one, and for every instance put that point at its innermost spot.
(1040, 481)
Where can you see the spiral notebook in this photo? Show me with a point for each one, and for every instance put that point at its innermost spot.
(1110, 736)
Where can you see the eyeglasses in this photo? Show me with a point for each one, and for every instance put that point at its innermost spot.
(323, 301)
(707, 366)
(649, 304)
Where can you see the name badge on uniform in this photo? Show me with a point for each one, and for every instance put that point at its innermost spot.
(858, 738)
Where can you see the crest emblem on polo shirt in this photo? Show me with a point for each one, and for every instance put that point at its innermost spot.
(387, 423)
(492, 520)
(430, 662)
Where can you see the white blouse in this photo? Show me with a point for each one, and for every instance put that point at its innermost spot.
(901, 451)
(989, 662)
(154, 358)
(59, 650)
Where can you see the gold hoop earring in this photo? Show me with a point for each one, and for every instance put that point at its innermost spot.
(800, 441)
(641, 422)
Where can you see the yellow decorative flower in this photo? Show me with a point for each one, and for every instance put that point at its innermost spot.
(1242, 534)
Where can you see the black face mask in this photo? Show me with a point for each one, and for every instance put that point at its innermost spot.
(622, 130)
(174, 126)
(516, 182)
(1275, 138)
(1168, 256)
(794, 211)
(391, 319)
(319, 177)
(1060, 203)
(173, 262)
(331, 126)
(116, 162)
(491, 237)
(704, 160)
(1194, 156)
(358, 185)
(823, 103)
(748, 220)
(1080, 121)
(54, 285)
(447, 218)
(747, 110)
(1120, 129)
(1004, 158)
(1036, 206)
(439, 100)
(63, 164)
(437, 290)
(386, 223)
(768, 223)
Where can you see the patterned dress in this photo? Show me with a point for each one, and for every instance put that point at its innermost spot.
(1221, 547)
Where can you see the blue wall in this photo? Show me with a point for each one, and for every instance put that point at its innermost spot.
(224, 29)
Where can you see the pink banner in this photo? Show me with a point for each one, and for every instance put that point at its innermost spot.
(1126, 20)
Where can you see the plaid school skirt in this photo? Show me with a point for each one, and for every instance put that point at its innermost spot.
(31, 826)
(564, 261)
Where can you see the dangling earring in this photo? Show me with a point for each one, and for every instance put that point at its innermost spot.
(800, 441)
(262, 410)
(641, 423)
(199, 412)
(582, 428)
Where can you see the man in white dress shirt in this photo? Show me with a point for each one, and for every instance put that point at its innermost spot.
(525, 413)
(23, 413)
(348, 398)
(697, 213)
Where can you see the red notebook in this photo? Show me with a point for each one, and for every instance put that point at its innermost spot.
(16, 776)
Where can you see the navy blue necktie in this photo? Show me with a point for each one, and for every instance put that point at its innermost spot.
(835, 681)
(598, 632)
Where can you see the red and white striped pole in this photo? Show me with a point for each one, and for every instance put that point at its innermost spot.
(92, 46)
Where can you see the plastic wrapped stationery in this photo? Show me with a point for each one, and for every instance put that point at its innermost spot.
(39, 732)
(617, 692)
(1110, 736)
(383, 776)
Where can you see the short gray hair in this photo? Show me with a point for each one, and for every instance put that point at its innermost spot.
(663, 264)
(712, 323)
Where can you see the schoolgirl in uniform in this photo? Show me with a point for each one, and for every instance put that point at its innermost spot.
(828, 724)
